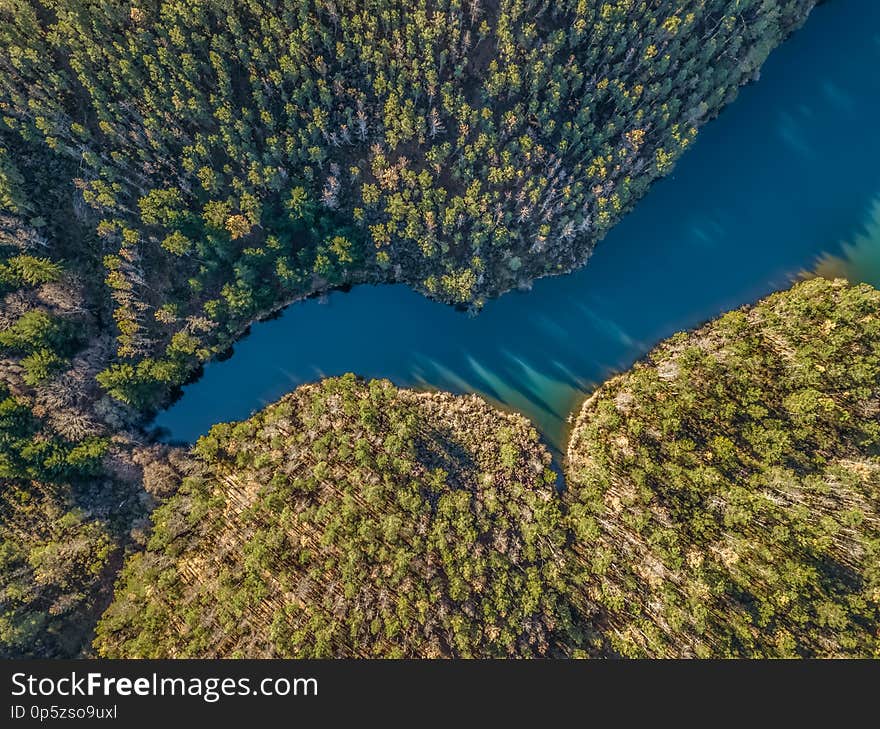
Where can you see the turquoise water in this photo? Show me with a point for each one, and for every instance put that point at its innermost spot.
(777, 184)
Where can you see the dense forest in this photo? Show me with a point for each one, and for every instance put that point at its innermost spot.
(724, 494)
(58, 538)
(236, 156)
(71, 468)
(722, 500)
(352, 519)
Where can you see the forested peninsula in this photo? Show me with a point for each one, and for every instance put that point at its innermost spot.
(724, 494)
(722, 499)
(352, 519)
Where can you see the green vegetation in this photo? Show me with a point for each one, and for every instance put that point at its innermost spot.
(724, 495)
(26, 452)
(52, 551)
(241, 155)
(68, 490)
(352, 519)
(41, 323)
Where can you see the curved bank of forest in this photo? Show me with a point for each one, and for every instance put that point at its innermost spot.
(352, 519)
(724, 494)
(722, 499)
(235, 157)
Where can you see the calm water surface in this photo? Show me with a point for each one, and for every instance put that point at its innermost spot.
(787, 179)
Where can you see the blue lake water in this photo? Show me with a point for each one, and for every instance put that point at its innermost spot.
(785, 180)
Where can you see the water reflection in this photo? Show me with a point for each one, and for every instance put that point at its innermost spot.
(787, 170)
(859, 259)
